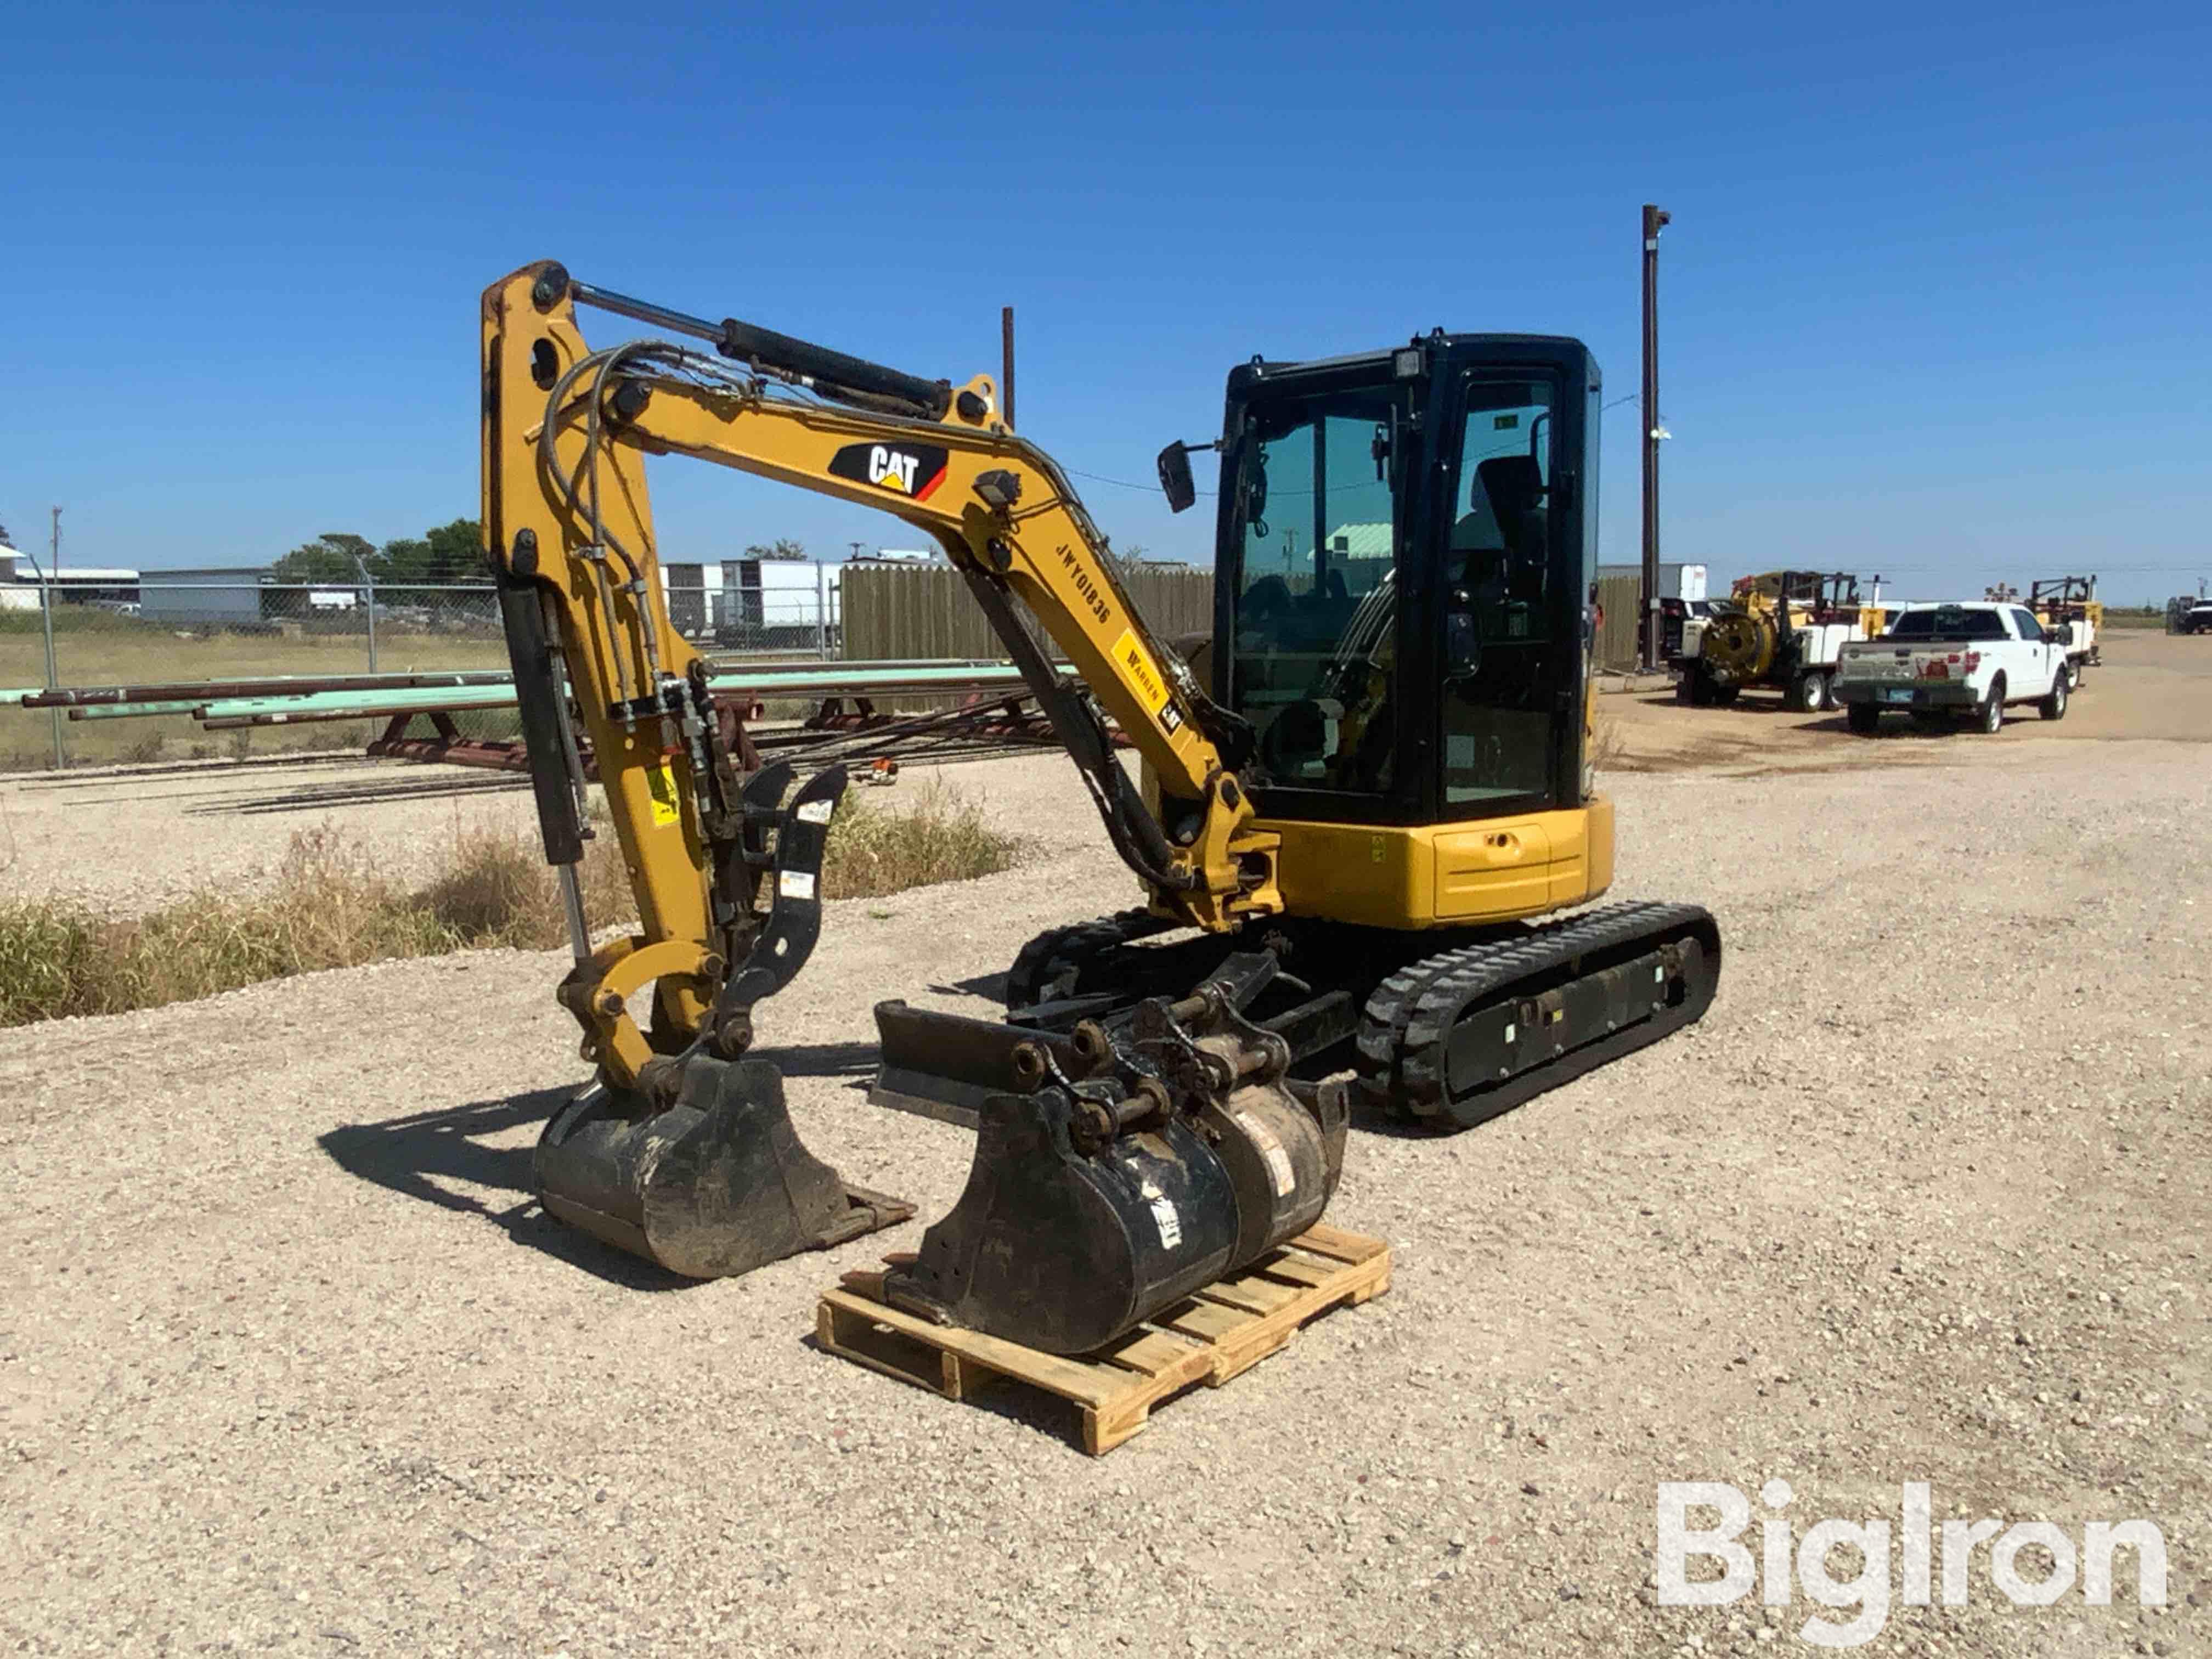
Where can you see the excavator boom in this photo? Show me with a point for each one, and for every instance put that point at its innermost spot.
(683, 1151)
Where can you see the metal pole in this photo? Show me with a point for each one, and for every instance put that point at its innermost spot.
(1653, 219)
(822, 611)
(46, 616)
(1006, 361)
(369, 581)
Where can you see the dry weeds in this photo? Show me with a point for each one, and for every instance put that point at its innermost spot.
(333, 905)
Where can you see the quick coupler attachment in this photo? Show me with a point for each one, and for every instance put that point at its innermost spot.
(1171, 1152)
(716, 1185)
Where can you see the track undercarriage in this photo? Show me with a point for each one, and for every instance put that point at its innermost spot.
(1442, 1031)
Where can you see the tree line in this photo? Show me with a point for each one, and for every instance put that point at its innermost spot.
(449, 555)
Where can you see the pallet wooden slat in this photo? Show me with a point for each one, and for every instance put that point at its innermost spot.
(1253, 1294)
(1217, 1334)
(1298, 1273)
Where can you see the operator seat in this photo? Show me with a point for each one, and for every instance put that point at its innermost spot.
(1515, 485)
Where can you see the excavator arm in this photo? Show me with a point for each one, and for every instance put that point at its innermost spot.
(1136, 1162)
(565, 429)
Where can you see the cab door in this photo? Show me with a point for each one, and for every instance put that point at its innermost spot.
(2043, 650)
(1509, 596)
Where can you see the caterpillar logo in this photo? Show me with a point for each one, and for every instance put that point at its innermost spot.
(913, 470)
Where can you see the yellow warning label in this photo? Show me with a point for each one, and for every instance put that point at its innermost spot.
(1129, 654)
(662, 788)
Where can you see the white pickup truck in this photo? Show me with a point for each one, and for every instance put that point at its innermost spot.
(1941, 661)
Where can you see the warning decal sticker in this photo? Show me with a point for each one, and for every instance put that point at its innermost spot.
(1131, 656)
(1280, 1175)
(662, 788)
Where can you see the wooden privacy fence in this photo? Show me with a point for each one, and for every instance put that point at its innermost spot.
(895, 613)
(1616, 635)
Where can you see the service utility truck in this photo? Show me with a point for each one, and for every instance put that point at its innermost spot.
(1781, 630)
(1939, 663)
(2068, 607)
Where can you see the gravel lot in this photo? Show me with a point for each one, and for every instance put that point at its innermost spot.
(292, 1363)
(129, 840)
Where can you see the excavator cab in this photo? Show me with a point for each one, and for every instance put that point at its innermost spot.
(1402, 562)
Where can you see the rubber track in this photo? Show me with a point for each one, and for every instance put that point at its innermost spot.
(1057, 949)
(1406, 1027)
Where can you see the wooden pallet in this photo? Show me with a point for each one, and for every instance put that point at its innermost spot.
(1208, 1337)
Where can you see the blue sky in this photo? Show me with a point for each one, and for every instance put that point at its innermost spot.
(1934, 302)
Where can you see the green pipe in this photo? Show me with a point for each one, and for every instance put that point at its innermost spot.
(463, 697)
(124, 711)
(815, 681)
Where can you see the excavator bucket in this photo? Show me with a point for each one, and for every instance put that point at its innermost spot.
(716, 1185)
(700, 1169)
(1144, 1159)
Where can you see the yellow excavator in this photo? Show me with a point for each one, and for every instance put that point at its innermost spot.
(1356, 795)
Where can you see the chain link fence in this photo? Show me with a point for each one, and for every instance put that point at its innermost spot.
(160, 632)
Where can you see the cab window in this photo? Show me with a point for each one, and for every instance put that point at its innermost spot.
(1313, 662)
(1495, 704)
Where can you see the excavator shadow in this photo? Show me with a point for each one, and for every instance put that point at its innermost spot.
(1033, 1408)
(1367, 1121)
(438, 1157)
(990, 986)
(834, 1060)
(446, 1157)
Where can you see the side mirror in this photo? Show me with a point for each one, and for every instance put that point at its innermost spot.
(1174, 476)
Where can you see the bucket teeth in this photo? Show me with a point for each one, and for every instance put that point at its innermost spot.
(717, 1185)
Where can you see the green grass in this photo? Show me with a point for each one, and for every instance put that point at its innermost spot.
(330, 906)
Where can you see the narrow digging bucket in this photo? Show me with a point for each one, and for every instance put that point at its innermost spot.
(1065, 1239)
(715, 1186)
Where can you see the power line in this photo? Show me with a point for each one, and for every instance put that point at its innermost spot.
(1120, 483)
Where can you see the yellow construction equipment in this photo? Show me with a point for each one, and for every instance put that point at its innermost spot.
(2068, 606)
(1342, 835)
(1780, 628)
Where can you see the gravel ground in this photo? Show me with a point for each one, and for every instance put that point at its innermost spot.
(127, 839)
(292, 1363)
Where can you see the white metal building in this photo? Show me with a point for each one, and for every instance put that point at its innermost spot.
(764, 601)
(78, 584)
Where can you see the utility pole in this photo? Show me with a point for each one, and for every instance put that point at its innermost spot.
(1006, 362)
(1653, 219)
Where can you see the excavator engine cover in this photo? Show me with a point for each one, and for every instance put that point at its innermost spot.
(716, 1185)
